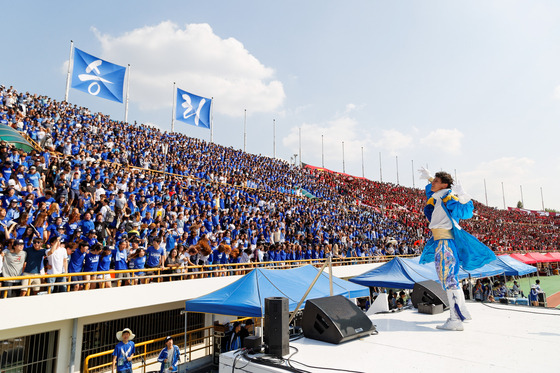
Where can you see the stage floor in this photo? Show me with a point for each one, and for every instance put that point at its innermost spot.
(500, 338)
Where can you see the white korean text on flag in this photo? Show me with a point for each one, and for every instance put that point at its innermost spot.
(97, 77)
(193, 109)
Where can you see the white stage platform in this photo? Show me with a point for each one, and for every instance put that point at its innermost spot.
(500, 338)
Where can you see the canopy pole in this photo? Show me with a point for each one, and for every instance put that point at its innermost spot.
(307, 292)
(330, 275)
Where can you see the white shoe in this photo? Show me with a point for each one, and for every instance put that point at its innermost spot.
(456, 325)
(454, 322)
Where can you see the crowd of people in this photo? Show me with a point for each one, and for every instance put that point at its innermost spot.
(92, 198)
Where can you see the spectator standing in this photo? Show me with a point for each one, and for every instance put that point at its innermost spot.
(14, 265)
(124, 352)
(169, 357)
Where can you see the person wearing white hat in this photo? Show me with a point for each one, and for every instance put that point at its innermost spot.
(124, 352)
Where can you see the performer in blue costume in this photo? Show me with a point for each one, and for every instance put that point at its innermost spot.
(450, 246)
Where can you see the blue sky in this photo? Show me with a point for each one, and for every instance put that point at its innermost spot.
(469, 87)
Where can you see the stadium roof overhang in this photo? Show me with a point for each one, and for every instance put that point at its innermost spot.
(11, 136)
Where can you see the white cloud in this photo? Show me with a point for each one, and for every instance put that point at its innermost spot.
(393, 141)
(448, 141)
(199, 61)
(556, 93)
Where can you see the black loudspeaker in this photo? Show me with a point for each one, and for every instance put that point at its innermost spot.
(429, 292)
(276, 331)
(335, 320)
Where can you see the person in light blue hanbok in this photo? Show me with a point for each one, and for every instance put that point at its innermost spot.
(450, 247)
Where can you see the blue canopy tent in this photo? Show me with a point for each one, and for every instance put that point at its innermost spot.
(514, 267)
(403, 273)
(398, 273)
(245, 297)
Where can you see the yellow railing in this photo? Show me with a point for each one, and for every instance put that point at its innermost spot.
(150, 350)
(185, 273)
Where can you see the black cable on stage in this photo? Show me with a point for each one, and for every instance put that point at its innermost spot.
(269, 362)
(522, 311)
(317, 367)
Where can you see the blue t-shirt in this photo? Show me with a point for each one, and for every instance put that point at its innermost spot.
(122, 352)
(34, 260)
(76, 261)
(104, 263)
(153, 256)
(120, 258)
(91, 263)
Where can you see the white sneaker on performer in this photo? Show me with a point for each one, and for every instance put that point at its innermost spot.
(454, 322)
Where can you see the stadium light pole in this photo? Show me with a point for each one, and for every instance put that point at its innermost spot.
(300, 146)
(174, 108)
(322, 152)
(380, 169)
(542, 200)
(343, 164)
(414, 186)
(245, 132)
(522, 202)
(485, 192)
(397, 162)
(274, 138)
(503, 195)
(127, 94)
(363, 172)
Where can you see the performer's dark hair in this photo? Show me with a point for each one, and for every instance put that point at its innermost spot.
(445, 178)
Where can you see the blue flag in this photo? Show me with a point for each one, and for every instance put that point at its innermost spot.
(193, 109)
(97, 77)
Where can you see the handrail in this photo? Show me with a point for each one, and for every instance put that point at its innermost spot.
(146, 345)
(189, 271)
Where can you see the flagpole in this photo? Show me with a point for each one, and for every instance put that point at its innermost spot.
(70, 68)
(522, 202)
(127, 95)
(274, 138)
(212, 120)
(174, 108)
(542, 200)
(245, 132)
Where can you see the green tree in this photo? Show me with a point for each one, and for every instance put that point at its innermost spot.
(519, 204)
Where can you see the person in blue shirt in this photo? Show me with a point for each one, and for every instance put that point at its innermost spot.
(104, 265)
(450, 246)
(34, 264)
(120, 258)
(124, 352)
(76, 263)
(91, 264)
(155, 254)
(169, 357)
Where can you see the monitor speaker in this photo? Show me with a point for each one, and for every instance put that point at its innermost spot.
(276, 331)
(334, 320)
(429, 292)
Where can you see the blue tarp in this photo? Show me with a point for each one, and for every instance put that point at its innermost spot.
(403, 273)
(245, 297)
(398, 273)
(514, 267)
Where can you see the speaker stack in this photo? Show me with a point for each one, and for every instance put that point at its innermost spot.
(276, 330)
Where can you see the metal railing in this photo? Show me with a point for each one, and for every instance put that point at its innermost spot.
(163, 274)
(199, 342)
